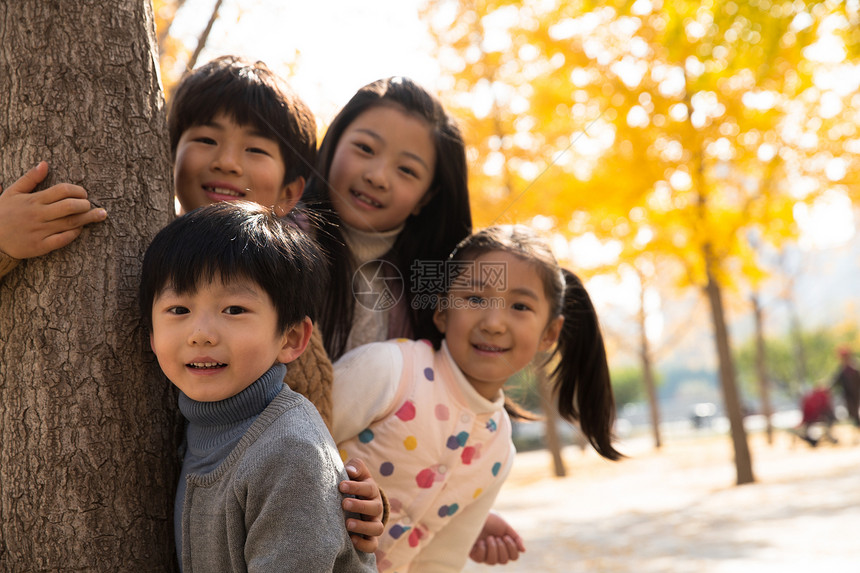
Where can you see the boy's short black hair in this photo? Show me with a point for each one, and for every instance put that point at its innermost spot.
(233, 240)
(252, 95)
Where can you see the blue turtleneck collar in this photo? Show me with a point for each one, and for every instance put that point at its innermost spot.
(209, 423)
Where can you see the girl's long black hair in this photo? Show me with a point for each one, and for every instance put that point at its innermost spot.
(427, 237)
(580, 379)
(581, 375)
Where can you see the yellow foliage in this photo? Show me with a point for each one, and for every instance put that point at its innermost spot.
(685, 122)
(171, 52)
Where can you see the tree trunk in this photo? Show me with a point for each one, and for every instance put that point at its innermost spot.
(88, 426)
(743, 460)
(761, 367)
(553, 442)
(647, 371)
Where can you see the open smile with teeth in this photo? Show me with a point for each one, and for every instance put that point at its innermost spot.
(206, 365)
(489, 348)
(223, 191)
(365, 199)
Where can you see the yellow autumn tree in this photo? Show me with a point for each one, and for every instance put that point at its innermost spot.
(175, 57)
(672, 129)
(171, 52)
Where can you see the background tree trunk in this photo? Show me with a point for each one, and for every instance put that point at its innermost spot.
(204, 37)
(550, 412)
(88, 425)
(647, 370)
(731, 400)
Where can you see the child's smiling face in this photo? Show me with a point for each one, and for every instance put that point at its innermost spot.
(382, 168)
(494, 328)
(225, 161)
(215, 342)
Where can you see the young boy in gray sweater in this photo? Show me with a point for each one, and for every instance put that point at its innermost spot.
(229, 293)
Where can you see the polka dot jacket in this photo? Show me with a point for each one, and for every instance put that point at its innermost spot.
(438, 448)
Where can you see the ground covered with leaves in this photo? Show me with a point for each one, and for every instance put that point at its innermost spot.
(677, 510)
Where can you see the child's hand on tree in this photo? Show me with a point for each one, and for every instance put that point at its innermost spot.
(497, 543)
(36, 223)
(368, 502)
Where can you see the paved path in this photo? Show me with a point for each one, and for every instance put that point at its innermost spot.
(678, 510)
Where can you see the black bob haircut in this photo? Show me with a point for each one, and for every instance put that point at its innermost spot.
(230, 241)
(252, 95)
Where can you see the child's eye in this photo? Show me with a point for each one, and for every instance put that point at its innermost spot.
(409, 171)
(259, 150)
(234, 310)
(474, 300)
(363, 147)
(177, 310)
(520, 306)
(205, 140)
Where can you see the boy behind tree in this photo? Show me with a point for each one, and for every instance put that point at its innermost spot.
(229, 292)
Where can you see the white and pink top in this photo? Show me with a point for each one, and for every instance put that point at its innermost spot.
(438, 449)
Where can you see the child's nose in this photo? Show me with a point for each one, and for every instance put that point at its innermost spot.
(376, 176)
(492, 320)
(227, 160)
(202, 334)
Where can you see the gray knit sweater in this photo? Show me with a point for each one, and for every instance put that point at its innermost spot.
(260, 481)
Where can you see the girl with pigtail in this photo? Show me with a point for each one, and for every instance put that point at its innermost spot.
(429, 416)
(581, 376)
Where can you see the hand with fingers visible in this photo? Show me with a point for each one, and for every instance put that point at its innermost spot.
(33, 223)
(367, 502)
(497, 543)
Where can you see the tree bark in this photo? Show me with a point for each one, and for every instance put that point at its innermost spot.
(731, 401)
(88, 425)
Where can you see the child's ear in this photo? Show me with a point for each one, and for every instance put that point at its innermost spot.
(290, 195)
(440, 319)
(295, 340)
(551, 333)
(428, 195)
